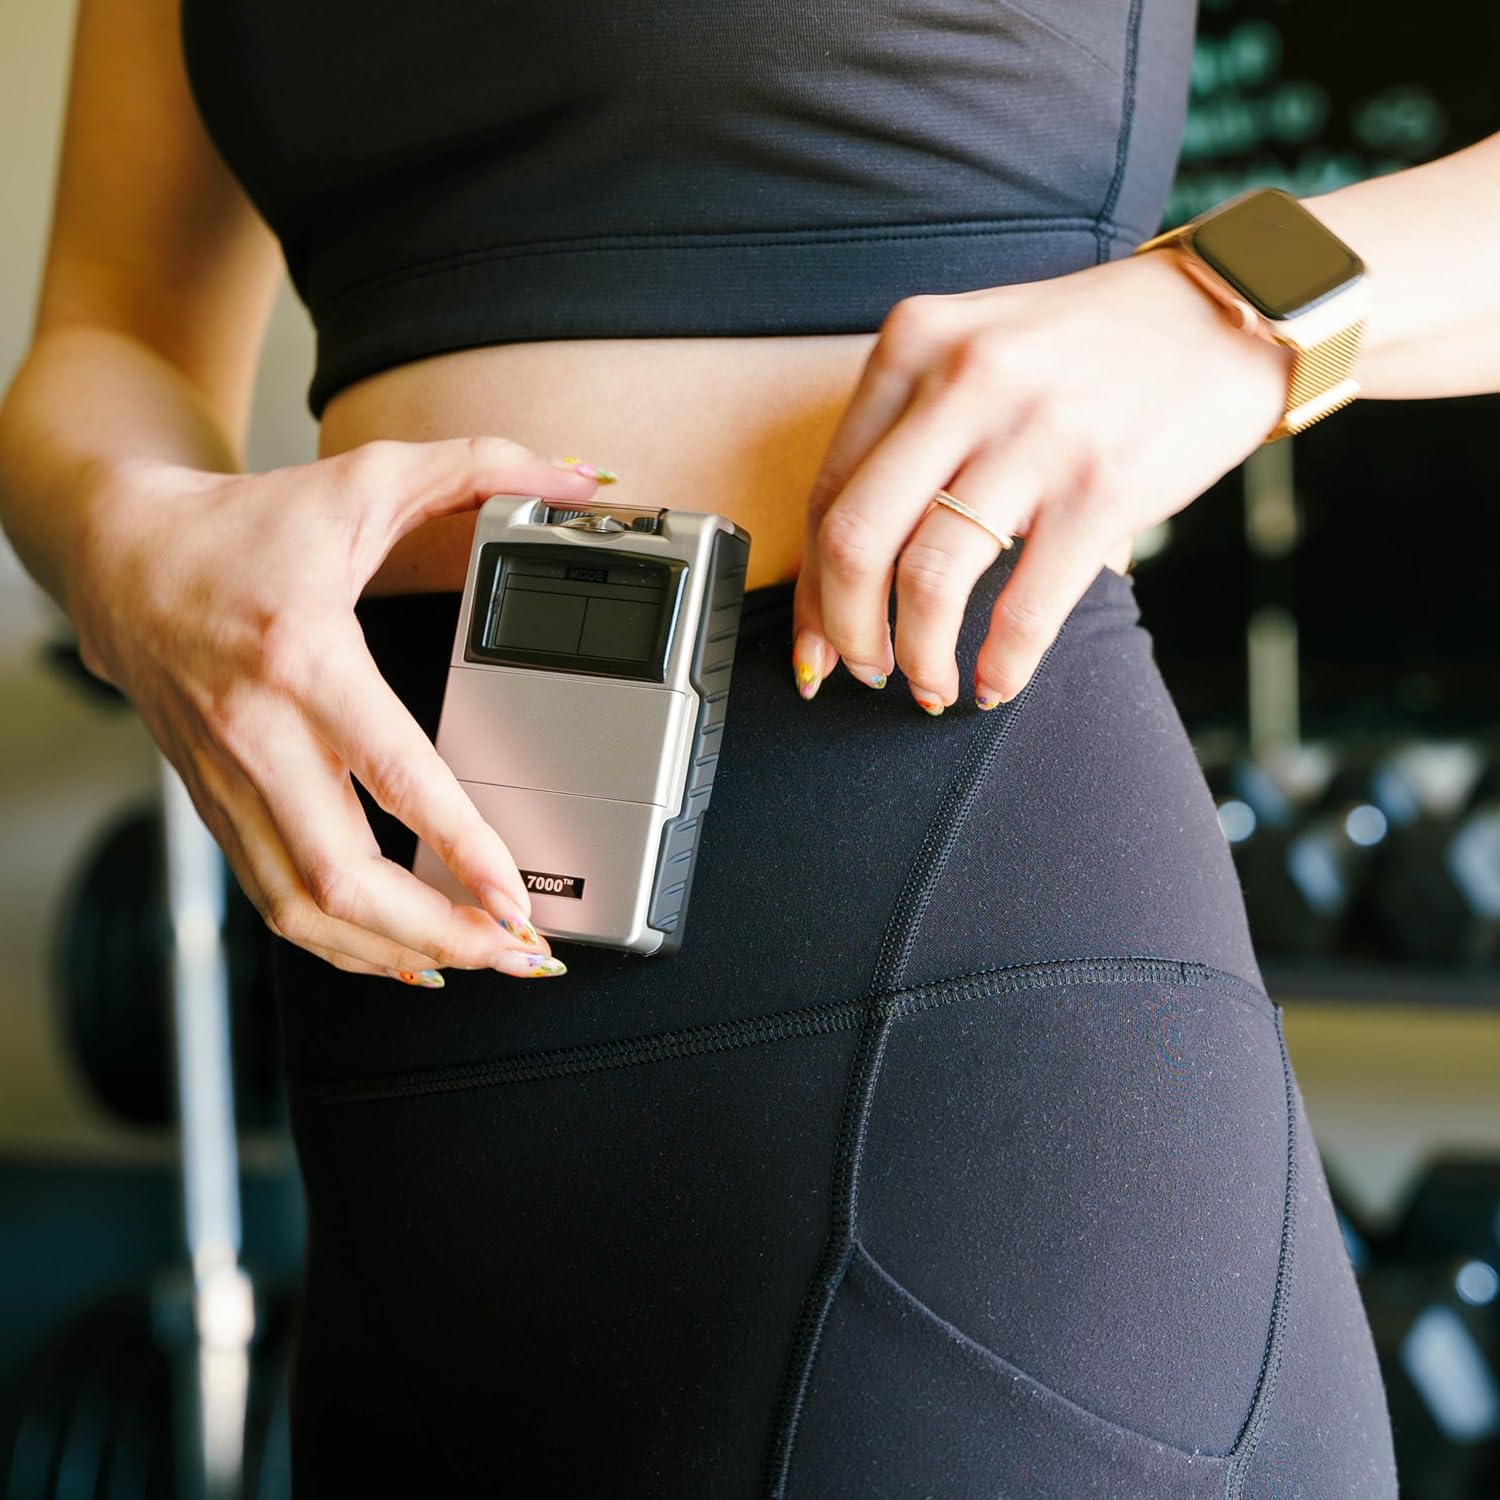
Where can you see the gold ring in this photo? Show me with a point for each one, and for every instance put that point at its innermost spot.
(970, 514)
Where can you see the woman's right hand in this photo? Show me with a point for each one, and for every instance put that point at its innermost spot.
(222, 605)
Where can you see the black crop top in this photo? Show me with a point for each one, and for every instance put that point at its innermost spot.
(467, 172)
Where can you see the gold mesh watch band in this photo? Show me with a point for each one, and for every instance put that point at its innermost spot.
(1319, 371)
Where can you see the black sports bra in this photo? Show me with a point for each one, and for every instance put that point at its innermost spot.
(468, 172)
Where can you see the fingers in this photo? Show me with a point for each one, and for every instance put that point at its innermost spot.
(1007, 481)
(861, 535)
(329, 890)
(397, 486)
(934, 578)
(257, 857)
(268, 872)
(385, 959)
(429, 979)
(812, 656)
(370, 730)
(281, 806)
(912, 334)
(333, 857)
(1062, 557)
(884, 389)
(946, 556)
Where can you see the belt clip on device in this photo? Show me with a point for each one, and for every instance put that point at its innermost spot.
(585, 706)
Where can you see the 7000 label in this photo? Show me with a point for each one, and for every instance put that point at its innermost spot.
(545, 884)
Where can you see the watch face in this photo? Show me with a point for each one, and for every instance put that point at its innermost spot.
(1279, 257)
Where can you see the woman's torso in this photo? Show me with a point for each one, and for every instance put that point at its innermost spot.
(733, 425)
(662, 236)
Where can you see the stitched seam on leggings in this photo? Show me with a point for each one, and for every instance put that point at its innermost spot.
(834, 1262)
(941, 834)
(786, 1025)
(864, 1072)
(997, 1367)
(1250, 1434)
(932, 858)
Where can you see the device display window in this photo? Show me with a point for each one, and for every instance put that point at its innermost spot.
(573, 610)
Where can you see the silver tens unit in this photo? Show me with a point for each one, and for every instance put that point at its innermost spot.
(585, 705)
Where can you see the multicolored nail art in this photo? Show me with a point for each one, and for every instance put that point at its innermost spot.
(930, 706)
(542, 966)
(591, 471)
(521, 928)
(429, 979)
(877, 681)
(807, 678)
(987, 700)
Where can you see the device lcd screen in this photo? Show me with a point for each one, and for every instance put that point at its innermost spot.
(574, 611)
(1276, 253)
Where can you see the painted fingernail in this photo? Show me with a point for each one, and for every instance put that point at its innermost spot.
(929, 705)
(530, 965)
(504, 906)
(870, 676)
(986, 699)
(521, 928)
(591, 471)
(429, 979)
(807, 678)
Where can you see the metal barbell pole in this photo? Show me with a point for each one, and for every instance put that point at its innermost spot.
(210, 1436)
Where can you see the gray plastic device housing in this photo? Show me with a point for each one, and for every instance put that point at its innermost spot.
(589, 777)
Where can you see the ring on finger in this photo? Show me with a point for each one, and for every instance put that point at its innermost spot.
(953, 503)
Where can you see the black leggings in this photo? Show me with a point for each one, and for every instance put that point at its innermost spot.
(956, 1155)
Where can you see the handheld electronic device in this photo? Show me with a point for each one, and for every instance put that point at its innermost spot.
(585, 705)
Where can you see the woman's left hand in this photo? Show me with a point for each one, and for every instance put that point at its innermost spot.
(1073, 411)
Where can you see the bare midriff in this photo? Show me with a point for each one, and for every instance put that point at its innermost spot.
(733, 425)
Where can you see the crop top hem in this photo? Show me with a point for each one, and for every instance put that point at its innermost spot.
(803, 281)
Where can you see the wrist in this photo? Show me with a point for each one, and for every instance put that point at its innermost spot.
(1343, 216)
(113, 502)
(1259, 368)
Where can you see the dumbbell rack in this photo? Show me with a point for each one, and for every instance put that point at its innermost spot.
(1370, 866)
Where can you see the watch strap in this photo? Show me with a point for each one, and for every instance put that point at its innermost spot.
(1166, 237)
(1320, 381)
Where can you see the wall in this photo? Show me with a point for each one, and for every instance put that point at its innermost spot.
(66, 764)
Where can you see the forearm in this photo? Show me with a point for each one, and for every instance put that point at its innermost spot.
(1427, 236)
(85, 401)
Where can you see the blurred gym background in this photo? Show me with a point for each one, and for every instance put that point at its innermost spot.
(1326, 616)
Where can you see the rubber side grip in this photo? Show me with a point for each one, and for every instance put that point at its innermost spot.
(712, 666)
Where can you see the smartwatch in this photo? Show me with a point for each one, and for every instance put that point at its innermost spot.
(1282, 275)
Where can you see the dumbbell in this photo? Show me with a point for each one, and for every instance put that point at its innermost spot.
(1319, 830)
(1454, 1209)
(1435, 1307)
(1438, 1342)
(113, 981)
(1301, 828)
(1436, 891)
(1431, 1290)
(91, 1415)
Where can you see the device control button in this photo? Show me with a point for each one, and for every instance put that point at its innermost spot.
(1245, 315)
(595, 521)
